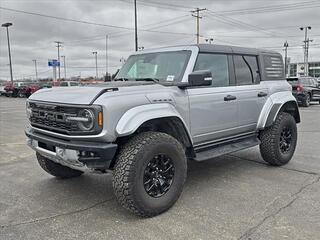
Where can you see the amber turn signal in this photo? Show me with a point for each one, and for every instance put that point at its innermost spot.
(100, 119)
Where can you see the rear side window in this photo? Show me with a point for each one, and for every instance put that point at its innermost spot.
(246, 69)
(217, 64)
(273, 67)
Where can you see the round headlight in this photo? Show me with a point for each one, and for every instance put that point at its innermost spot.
(89, 122)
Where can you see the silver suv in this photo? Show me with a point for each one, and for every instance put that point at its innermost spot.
(166, 106)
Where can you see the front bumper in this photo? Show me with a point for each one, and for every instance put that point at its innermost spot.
(79, 155)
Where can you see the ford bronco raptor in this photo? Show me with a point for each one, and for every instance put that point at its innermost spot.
(163, 107)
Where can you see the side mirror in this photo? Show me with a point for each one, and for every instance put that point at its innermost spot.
(200, 78)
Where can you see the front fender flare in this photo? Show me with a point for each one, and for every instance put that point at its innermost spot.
(272, 107)
(135, 117)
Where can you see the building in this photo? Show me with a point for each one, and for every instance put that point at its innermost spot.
(297, 69)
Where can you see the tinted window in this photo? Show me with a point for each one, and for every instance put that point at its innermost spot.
(305, 81)
(217, 64)
(74, 84)
(63, 84)
(246, 69)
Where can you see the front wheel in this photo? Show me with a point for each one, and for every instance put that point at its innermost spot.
(149, 173)
(278, 142)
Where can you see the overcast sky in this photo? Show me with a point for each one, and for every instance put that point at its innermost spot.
(250, 23)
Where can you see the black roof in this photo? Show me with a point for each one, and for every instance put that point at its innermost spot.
(233, 49)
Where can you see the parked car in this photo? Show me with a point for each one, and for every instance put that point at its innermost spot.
(69, 84)
(27, 90)
(166, 106)
(2, 91)
(12, 90)
(305, 90)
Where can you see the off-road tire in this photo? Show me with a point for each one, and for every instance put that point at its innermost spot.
(56, 169)
(270, 140)
(307, 100)
(130, 166)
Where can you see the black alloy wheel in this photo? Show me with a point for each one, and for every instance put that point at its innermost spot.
(285, 140)
(158, 175)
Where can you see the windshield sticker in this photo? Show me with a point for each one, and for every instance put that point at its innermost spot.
(170, 78)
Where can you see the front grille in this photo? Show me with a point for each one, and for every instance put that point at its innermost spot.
(53, 117)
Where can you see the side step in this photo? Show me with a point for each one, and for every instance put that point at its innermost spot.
(225, 148)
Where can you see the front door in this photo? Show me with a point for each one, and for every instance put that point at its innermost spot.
(213, 109)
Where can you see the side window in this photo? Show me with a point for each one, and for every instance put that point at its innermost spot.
(217, 64)
(246, 69)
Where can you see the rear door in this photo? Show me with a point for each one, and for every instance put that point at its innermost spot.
(251, 95)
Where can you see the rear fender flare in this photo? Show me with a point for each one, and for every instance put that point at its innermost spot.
(275, 103)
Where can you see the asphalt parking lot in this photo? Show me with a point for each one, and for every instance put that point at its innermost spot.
(231, 197)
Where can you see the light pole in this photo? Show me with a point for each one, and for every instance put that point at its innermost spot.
(7, 25)
(135, 25)
(96, 58)
(35, 68)
(306, 48)
(286, 45)
(107, 74)
(58, 47)
(64, 67)
(209, 40)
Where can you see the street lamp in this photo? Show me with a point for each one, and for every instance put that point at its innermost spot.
(286, 45)
(209, 40)
(64, 67)
(306, 48)
(96, 58)
(35, 68)
(7, 25)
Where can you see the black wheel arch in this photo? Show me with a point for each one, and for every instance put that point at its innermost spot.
(290, 107)
(172, 126)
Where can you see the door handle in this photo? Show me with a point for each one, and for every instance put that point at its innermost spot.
(262, 94)
(230, 98)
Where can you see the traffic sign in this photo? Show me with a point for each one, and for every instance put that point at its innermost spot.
(53, 63)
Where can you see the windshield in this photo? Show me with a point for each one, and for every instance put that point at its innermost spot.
(160, 66)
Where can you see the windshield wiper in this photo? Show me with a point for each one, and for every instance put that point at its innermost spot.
(156, 80)
(121, 79)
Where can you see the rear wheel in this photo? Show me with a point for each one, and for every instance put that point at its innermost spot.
(56, 169)
(278, 142)
(306, 101)
(149, 173)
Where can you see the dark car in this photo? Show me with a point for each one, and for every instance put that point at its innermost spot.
(305, 90)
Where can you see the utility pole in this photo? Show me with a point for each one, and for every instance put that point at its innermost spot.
(286, 45)
(107, 74)
(64, 67)
(7, 25)
(35, 68)
(196, 14)
(59, 44)
(306, 49)
(96, 58)
(135, 25)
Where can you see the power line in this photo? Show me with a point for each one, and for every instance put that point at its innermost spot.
(272, 8)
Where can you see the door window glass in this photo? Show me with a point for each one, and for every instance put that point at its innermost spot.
(217, 64)
(246, 69)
